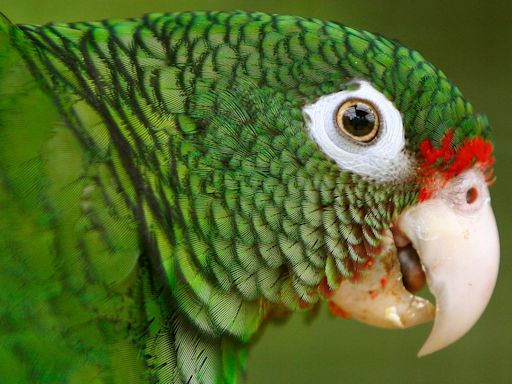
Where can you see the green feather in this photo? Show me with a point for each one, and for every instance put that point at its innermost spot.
(161, 196)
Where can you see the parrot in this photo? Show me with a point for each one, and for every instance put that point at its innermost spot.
(170, 184)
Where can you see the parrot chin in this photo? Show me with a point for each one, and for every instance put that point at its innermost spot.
(451, 240)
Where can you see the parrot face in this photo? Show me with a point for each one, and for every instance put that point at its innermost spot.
(452, 229)
(187, 176)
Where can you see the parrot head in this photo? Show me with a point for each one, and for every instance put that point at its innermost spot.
(399, 124)
(369, 167)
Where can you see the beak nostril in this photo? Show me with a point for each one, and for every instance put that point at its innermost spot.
(471, 195)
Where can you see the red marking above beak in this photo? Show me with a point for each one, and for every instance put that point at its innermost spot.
(440, 165)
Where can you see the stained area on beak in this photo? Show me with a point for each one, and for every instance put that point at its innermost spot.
(449, 243)
(379, 296)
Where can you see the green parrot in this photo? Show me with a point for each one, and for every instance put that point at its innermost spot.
(171, 183)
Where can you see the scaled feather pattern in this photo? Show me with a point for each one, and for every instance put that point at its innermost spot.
(162, 197)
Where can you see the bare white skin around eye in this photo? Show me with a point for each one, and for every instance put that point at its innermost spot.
(383, 159)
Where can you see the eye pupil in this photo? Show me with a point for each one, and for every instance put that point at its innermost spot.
(359, 120)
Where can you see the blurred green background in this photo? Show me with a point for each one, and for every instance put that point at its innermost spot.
(471, 41)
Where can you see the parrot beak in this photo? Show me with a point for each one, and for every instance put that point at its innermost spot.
(455, 243)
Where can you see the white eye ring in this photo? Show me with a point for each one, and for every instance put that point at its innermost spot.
(384, 158)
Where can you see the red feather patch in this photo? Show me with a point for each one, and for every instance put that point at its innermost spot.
(439, 165)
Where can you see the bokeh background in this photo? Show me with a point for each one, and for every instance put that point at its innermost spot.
(471, 40)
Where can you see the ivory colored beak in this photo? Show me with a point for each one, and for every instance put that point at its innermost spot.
(457, 241)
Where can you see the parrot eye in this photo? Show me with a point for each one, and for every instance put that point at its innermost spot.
(362, 131)
(359, 120)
